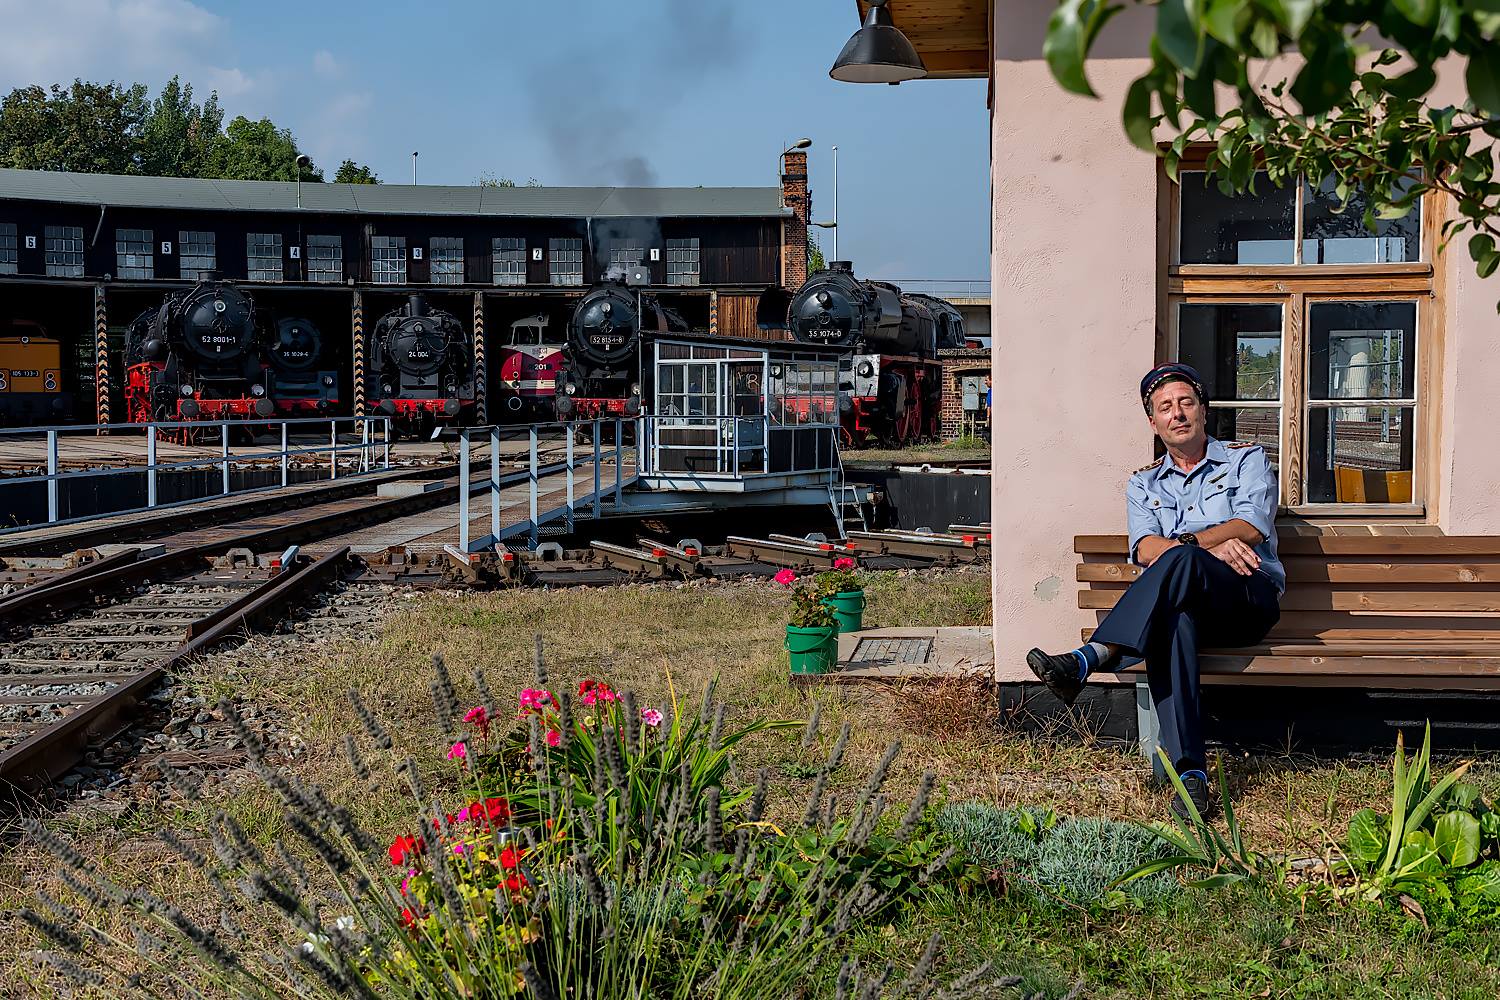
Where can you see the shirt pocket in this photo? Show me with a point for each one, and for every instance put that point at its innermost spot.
(1218, 499)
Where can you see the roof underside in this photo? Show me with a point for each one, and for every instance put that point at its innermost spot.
(389, 199)
(952, 36)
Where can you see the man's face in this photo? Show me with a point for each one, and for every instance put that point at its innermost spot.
(1177, 416)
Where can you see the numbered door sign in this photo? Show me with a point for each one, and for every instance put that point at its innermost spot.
(166, 247)
(296, 252)
(31, 243)
(416, 253)
(536, 253)
(655, 253)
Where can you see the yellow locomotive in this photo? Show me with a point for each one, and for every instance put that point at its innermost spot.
(31, 376)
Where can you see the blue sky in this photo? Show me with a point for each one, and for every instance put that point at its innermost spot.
(673, 92)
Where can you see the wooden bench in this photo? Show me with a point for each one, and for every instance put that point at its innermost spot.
(1402, 612)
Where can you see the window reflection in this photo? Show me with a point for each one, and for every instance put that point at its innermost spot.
(1250, 228)
(1333, 237)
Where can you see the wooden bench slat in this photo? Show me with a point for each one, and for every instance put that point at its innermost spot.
(1316, 598)
(1318, 571)
(1335, 545)
(1351, 628)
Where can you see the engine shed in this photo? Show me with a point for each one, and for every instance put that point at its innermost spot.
(81, 255)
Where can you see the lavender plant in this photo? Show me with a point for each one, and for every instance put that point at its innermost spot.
(478, 904)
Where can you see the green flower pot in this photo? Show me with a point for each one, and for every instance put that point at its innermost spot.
(849, 608)
(811, 650)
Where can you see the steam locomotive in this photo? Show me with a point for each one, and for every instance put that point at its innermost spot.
(31, 376)
(197, 355)
(890, 388)
(600, 374)
(302, 384)
(422, 368)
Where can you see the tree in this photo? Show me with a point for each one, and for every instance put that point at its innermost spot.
(259, 151)
(1358, 118)
(90, 127)
(815, 260)
(178, 137)
(350, 172)
(489, 180)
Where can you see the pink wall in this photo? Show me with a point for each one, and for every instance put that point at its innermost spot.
(1073, 268)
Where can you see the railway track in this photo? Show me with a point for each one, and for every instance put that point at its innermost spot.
(74, 681)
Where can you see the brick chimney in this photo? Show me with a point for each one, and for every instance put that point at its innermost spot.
(796, 196)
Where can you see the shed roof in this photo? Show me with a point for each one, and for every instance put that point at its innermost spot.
(390, 199)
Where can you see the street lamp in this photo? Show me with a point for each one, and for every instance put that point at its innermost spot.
(878, 52)
(781, 160)
(414, 167)
(302, 161)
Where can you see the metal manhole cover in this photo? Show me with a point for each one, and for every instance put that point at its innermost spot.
(893, 651)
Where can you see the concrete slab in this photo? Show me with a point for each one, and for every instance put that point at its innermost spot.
(407, 488)
(963, 651)
(147, 550)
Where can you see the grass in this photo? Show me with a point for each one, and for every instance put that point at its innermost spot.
(1193, 944)
(966, 449)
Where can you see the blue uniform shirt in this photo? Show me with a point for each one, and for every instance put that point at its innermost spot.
(1233, 481)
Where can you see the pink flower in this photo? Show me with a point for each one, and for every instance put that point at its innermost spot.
(535, 699)
(843, 563)
(478, 716)
(463, 815)
(554, 738)
(458, 751)
(650, 716)
(786, 578)
(460, 848)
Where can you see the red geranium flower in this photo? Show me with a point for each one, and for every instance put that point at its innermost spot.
(408, 919)
(405, 847)
(511, 857)
(495, 811)
(515, 883)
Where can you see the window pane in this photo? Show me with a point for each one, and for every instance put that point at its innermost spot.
(325, 258)
(1257, 425)
(1257, 228)
(1330, 238)
(1362, 350)
(1236, 348)
(1360, 454)
(263, 256)
(9, 254)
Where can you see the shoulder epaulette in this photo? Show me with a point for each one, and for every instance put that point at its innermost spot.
(1145, 468)
(1242, 444)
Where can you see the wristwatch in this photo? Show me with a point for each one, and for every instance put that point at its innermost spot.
(1188, 538)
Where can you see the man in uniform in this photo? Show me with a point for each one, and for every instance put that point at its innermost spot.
(1202, 524)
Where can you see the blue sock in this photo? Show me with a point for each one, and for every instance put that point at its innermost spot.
(1089, 656)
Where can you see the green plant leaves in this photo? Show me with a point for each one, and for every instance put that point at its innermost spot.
(1070, 34)
(1483, 78)
(1456, 835)
(1481, 884)
(1422, 12)
(1482, 249)
(1180, 37)
(1137, 115)
(1368, 831)
(1419, 854)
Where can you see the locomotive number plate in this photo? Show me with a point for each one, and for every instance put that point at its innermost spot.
(25, 373)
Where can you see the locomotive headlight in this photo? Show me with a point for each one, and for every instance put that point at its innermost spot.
(257, 391)
(571, 389)
(865, 369)
(3, 383)
(452, 389)
(51, 383)
(187, 392)
(328, 380)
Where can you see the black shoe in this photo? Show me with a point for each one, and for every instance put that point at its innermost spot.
(1197, 790)
(1059, 673)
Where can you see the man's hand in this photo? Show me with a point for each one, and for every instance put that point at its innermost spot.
(1240, 557)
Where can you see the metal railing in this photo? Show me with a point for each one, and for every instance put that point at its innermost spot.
(945, 288)
(369, 446)
(604, 441)
(736, 447)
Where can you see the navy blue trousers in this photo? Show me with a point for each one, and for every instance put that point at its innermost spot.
(1186, 599)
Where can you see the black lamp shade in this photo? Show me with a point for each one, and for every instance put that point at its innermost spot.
(878, 53)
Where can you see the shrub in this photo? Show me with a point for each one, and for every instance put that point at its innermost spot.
(1075, 860)
(809, 611)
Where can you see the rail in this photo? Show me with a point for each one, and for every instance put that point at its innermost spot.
(603, 443)
(945, 288)
(369, 443)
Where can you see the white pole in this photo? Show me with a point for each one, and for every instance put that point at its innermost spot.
(836, 204)
(150, 465)
(224, 454)
(463, 489)
(52, 491)
(414, 167)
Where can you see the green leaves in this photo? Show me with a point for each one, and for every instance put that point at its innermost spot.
(1368, 831)
(1070, 35)
(1137, 115)
(1457, 837)
(1422, 12)
(1483, 79)
(1180, 35)
(1482, 249)
(1327, 74)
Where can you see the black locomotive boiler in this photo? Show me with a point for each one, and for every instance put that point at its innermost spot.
(601, 370)
(197, 356)
(422, 368)
(304, 383)
(891, 385)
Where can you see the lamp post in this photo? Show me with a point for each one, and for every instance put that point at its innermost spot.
(414, 167)
(781, 159)
(302, 161)
(834, 224)
(878, 52)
